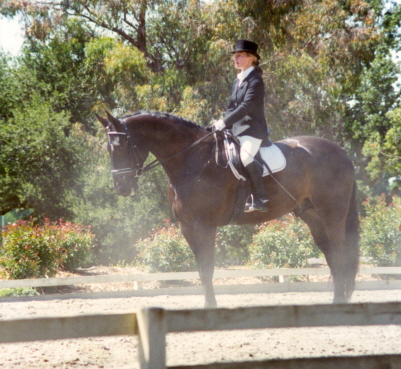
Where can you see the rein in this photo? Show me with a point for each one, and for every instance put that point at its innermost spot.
(157, 162)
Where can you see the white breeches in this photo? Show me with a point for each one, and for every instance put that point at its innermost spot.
(249, 148)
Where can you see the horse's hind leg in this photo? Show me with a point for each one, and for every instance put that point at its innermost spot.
(316, 227)
(336, 233)
(201, 238)
(329, 236)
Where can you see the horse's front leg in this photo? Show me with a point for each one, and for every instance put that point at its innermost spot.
(201, 238)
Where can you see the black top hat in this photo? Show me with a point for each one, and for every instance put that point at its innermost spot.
(247, 46)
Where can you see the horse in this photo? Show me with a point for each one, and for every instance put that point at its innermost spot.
(317, 184)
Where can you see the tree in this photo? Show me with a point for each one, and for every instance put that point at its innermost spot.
(38, 161)
(10, 93)
(65, 77)
(370, 118)
(385, 151)
(156, 28)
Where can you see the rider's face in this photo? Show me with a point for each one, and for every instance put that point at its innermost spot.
(243, 60)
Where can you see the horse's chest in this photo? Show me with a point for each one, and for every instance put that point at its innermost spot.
(189, 198)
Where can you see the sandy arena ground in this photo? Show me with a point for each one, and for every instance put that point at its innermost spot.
(193, 348)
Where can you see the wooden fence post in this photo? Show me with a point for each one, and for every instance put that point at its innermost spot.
(283, 278)
(152, 329)
(138, 285)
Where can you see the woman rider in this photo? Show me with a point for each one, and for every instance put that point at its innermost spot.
(245, 117)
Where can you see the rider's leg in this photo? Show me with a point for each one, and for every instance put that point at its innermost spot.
(249, 148)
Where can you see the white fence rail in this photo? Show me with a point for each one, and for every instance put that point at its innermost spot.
(284, 272)
(152, 324)
(63, 327)
(284, 286)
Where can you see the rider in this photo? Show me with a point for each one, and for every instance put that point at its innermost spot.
(245, 117)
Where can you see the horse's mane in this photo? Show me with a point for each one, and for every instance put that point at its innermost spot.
(171, 117)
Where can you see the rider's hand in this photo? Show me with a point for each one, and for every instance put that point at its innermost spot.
(219, 125)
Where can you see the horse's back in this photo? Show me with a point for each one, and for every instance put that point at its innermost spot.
(318, 165)
(316, 152)
(312, 144)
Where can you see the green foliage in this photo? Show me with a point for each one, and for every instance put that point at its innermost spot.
(381, 231)
(59, 64)
(25, 291)
(231, 243)
(37, 251)
(38, 161)
(126, 67)
(10, 89)
(96, 52)
(166, 251)
(385, 152)
(282, 243)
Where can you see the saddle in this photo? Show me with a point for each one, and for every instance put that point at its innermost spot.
(269, 156)
(228, 155)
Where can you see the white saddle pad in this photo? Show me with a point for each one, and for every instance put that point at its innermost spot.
(274, 158)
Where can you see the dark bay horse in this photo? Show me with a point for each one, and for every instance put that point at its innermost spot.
(319, 175)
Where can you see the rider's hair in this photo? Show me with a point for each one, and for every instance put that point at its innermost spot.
(256, 63)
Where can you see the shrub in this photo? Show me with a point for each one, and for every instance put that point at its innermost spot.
(232, 244)
(280, 243)
(36, 251)
(24, 291)
(284, 243)
(166, 251)
(76, 245)
(381, 231)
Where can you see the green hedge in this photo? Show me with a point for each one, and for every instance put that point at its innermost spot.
(381, 231)
(284, 243)
(165, 251)
(280, 243)
(29, 250)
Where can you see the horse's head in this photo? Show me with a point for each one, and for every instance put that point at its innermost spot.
(127, 155)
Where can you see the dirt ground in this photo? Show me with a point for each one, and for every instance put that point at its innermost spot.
(193, 348)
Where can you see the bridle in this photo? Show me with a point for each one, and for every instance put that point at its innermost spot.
(135, 158)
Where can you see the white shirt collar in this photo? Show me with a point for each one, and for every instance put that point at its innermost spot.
(241, 76)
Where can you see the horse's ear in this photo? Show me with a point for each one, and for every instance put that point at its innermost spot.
(115, 122)
(104, 121)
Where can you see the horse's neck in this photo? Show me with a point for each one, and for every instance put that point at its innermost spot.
(166, 140)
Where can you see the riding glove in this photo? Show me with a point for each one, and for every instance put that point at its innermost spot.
(219, 125)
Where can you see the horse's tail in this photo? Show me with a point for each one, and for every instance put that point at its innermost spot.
(351, 244)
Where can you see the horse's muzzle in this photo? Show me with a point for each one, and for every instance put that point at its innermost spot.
(124, 191)
(126, 186)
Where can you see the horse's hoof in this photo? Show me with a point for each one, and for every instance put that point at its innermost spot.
(210, 305)
(341, 300)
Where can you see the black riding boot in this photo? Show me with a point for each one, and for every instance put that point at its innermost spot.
(259, 197)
